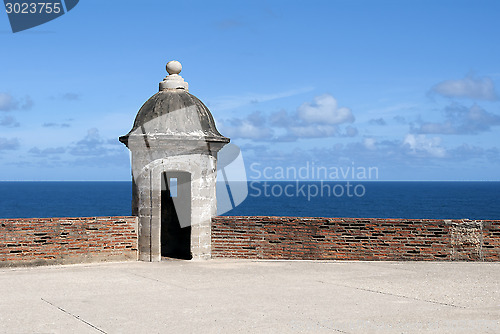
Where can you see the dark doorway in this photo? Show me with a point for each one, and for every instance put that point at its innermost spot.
(176, 215)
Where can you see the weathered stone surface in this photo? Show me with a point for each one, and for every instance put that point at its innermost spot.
(176, 114)
(174, 132)
(466, 241)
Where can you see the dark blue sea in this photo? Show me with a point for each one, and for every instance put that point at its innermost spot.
(454, 200)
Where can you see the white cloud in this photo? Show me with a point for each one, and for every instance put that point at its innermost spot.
(9, 144)
(410, 156)
(369, 143)
(9, 103)
(252, 127)
(423, 145)
(70, 96)
(462, 120)
(245, 129)
(52, 125)
(377, 121)
(469, 87)
(324, 109)
(350, 131)
(313, 131)
(92, 150)
(91, 145)
(47, 151)
(320, 119)
(6, 102)
(9, 121)
(400, 119)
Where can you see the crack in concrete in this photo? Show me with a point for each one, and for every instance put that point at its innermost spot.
(335, 329)
(159, 281)
(74, 316)
(395, 295)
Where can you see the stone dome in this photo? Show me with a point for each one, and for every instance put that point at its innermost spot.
(175, 113)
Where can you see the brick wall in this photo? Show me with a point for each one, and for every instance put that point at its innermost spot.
(75, 240)
(34, 241)
(491, 240)
(354, 239)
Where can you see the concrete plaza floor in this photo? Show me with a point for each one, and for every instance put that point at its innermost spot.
(244, 296)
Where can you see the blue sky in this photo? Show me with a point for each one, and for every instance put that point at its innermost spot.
(409, 87)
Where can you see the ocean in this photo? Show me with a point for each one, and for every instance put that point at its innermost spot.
(376, 199)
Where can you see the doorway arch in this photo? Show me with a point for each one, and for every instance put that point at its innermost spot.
(201, 169)
(175, 215)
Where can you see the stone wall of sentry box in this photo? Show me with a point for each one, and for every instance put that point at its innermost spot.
(36, 241)
(355, 239)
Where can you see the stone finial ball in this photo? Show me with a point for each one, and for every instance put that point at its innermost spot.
(174, 67)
